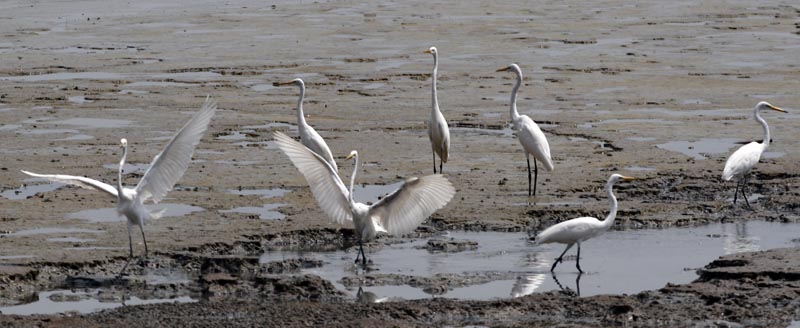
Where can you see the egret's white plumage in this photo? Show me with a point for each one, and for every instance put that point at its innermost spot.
(398, 213)
(438, 131)
(530, 135)
(308, 136)
(164, 172)
(746, 157)
(575, 231)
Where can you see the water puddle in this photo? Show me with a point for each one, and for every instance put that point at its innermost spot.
(29, 190)
(264, 193)
(79, 100)
(110, 214)
(505, 131)
(128, 168)
(700, 148)
(161, 84)
(16, 257)
(188, 75)
(280, 126)
(508, 265)
(52, 231)
(639, 168)
(132, 92)
(266, 212)
(78, 137)
(626, 122)
(262, 87)
(94, 123)
(65, 76)
(67, 301)
(368, 194)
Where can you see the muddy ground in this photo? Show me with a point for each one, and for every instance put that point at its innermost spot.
(613, 84)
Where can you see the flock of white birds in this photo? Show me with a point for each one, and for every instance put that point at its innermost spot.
(403, 210)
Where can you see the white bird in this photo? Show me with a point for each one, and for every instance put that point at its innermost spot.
(398, 213)
(530, 136)
(308, 136)
(746, 157)
(578, 230)
(438, 132)
(165, 170)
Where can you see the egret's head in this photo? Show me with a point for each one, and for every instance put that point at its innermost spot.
(431, 50)
(766, 105)
(353, 153)
(123, 143)
(617, 177)
(510, 68)
(297, 82)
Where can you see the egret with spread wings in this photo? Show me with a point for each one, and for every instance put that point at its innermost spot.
(398, 213)
(164, 172)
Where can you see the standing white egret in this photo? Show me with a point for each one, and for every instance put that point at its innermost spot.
(165, 170)
(530, 136)
(438, 132)
(578, 230)
(308, 136)
(746, 157)
(398, 213)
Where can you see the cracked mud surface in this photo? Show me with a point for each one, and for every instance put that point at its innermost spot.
(614, 85)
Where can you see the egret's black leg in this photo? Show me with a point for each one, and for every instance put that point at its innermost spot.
(434, 161)
(578, 283)
(744, 195)
(141, 228)
(441, 163)
(578, 259)
(130, 256)
(363, 256)
(535, 175)
(528, 158)
(560, 258)
(736, 193)
(358, 253)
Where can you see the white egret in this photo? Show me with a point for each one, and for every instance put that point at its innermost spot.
(745, 158)
(438, 132)
(308, 136)
(530, 136)
(578, 230)
(165, 170)
(398, 213)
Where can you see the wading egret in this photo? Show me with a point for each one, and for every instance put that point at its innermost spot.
(165, 170)
(745, 158)
(578, 230)
(530, 136)
(398, 213)
(438, 132)
(308, 136)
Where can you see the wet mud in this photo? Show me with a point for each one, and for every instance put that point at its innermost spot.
(659, 91)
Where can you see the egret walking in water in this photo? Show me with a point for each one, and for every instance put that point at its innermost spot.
(745, 158)
(530, 136)
(438, 132)
(165, 170)
(308, 136)
(398, 213)
(578, 230)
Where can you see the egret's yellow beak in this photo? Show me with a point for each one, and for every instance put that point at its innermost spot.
(503, 69)
(277, 84)
(349, 156)
(776, 108)
(628, 178)
(427, 51)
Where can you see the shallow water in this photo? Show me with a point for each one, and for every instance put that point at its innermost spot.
(266, 212)
(85, 302)
(698, 149)
(372, 193)
(52, 231)
(110, 214)
(264, 193)
(29, 190)
(616, 262)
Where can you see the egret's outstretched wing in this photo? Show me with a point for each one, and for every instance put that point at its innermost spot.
(82, 182)
(403, 210)
(327, 187)
(169, 165)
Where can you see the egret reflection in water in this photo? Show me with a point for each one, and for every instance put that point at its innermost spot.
(740, 240)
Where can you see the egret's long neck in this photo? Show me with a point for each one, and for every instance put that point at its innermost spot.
(352, 181)
(514, 113)
(763, 123)
(301, 119)
(434, 97)
(119, 173)
(609, 221)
